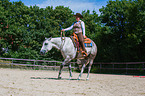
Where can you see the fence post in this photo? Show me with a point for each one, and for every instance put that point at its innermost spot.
(73, 66)
(143, 67)
(126, 67)
(100, 67)
(113, 67)
(55, 66)
(34, 64)
(12, 64)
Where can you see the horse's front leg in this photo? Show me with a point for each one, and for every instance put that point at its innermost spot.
(61, 66)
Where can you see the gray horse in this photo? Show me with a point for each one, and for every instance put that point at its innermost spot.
(69, 52)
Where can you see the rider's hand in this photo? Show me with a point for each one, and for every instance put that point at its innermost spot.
(62, 30)
(85, 36)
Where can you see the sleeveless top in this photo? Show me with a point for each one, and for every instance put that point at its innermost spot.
(77, 27)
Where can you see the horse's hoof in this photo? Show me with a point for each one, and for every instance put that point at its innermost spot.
(87, 79)
(78, 79)
(59, 77)
(70, 77)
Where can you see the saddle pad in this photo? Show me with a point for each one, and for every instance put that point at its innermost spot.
(88, 44)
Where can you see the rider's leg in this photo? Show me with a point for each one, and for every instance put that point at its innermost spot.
(81, 41)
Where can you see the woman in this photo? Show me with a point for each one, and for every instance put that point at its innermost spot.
(79, 29)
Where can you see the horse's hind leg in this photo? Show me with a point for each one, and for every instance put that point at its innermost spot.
(82, 70)
(89, 68)
(69, 67)
(84, 63)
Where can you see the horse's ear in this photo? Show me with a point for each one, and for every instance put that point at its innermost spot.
(46, 38)
(49, 38)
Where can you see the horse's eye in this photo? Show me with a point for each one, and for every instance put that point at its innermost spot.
(46, 43)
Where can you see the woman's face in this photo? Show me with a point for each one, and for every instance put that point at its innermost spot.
(77, 18)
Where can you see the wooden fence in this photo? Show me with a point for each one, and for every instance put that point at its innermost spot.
(122, 66)
(34, 63)
(126, 66)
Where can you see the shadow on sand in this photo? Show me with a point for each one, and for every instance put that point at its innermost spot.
(56, 78)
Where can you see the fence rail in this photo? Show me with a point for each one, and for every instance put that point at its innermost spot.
(127, 66)
(56, 64)
(34, 63)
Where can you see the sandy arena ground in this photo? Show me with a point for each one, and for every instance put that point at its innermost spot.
(18, 82)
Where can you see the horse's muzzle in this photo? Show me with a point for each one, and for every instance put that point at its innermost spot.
(42, 52)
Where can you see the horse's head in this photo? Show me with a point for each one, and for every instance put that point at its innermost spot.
(47, 46)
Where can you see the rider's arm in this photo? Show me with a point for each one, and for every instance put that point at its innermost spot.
(83, 28)
(69, 28)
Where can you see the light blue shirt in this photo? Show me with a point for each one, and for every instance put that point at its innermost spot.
(82, 24)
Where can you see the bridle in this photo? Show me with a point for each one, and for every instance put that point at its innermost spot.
(62, 35)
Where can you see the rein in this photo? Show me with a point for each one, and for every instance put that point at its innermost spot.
(62, 39)
(62, 34)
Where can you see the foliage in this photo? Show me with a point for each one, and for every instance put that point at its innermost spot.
(118, 32)
(125, 19)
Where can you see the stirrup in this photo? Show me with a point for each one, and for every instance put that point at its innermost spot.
(84, 54)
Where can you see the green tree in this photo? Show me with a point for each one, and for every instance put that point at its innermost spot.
(136, 28)
(119, 15)
(3, 22)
